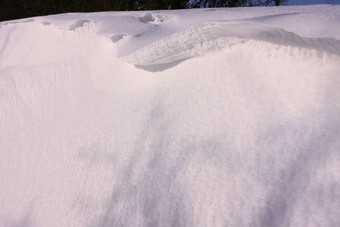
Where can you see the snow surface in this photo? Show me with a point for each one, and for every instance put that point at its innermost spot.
(309, 2)
(207, 117)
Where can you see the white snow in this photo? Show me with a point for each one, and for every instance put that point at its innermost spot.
(206, 117)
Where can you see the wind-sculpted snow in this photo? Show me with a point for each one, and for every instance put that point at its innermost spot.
(210, 37)
(217, 117)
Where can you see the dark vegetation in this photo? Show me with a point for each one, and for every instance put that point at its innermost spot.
(14, 9)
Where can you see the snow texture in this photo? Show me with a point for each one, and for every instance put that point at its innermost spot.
(206, 117)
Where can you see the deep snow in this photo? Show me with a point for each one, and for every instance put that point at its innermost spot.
(207, 117)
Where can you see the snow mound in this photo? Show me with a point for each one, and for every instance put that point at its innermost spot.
(221, 117)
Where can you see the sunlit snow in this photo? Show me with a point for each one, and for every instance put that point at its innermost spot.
(206, 117)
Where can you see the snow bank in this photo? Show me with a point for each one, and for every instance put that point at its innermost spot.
(217, 117)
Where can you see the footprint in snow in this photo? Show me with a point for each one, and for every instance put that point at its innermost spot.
(154, 19)
(78, 24)
(117, 37)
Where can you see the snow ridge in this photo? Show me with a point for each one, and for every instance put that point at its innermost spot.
(214, 36)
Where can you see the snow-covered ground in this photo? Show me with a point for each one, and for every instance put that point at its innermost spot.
(309, 2)
(207, 117)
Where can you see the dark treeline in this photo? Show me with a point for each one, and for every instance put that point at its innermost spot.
(14, 9)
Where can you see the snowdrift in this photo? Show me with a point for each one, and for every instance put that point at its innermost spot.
(216, 117)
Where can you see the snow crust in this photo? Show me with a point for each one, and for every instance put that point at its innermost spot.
(207, 117)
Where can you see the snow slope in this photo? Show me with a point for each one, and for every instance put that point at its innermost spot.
(207, 117)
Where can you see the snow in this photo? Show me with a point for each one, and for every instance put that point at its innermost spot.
(205, 117)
